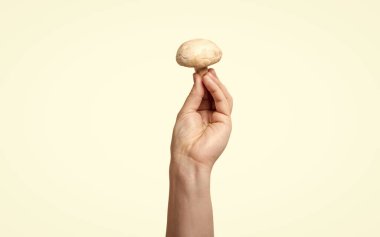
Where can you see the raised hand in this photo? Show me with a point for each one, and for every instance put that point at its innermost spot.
(203, 124)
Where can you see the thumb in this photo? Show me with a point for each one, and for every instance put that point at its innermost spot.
(195, 96)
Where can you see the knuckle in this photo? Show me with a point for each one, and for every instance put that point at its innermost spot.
(179, 115)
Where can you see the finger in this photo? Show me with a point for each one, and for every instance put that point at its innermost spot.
(206, 93)
(213, 75)
(195, 96)
(207, 102)
(221, 103)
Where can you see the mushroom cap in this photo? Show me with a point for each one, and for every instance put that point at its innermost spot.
(198, 53)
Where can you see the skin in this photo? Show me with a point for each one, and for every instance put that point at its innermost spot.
(200, 135)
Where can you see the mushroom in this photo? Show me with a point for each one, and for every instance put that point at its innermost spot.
(199, 54)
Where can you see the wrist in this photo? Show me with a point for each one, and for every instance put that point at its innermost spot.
(189, 175)
(182, 166)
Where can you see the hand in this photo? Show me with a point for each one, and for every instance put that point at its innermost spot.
(203, 125)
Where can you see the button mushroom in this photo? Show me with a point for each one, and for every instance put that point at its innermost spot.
(199, 54)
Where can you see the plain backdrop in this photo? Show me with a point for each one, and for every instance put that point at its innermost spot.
(89, 92)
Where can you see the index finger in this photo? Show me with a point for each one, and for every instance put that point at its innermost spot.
(221, 103)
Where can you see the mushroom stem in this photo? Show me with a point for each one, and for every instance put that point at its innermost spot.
(201, 71)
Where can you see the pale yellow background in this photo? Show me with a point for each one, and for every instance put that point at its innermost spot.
(89, 91)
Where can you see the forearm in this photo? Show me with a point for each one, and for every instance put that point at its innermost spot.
(189, 209)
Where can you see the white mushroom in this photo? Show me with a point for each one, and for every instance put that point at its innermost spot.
(199, 54)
